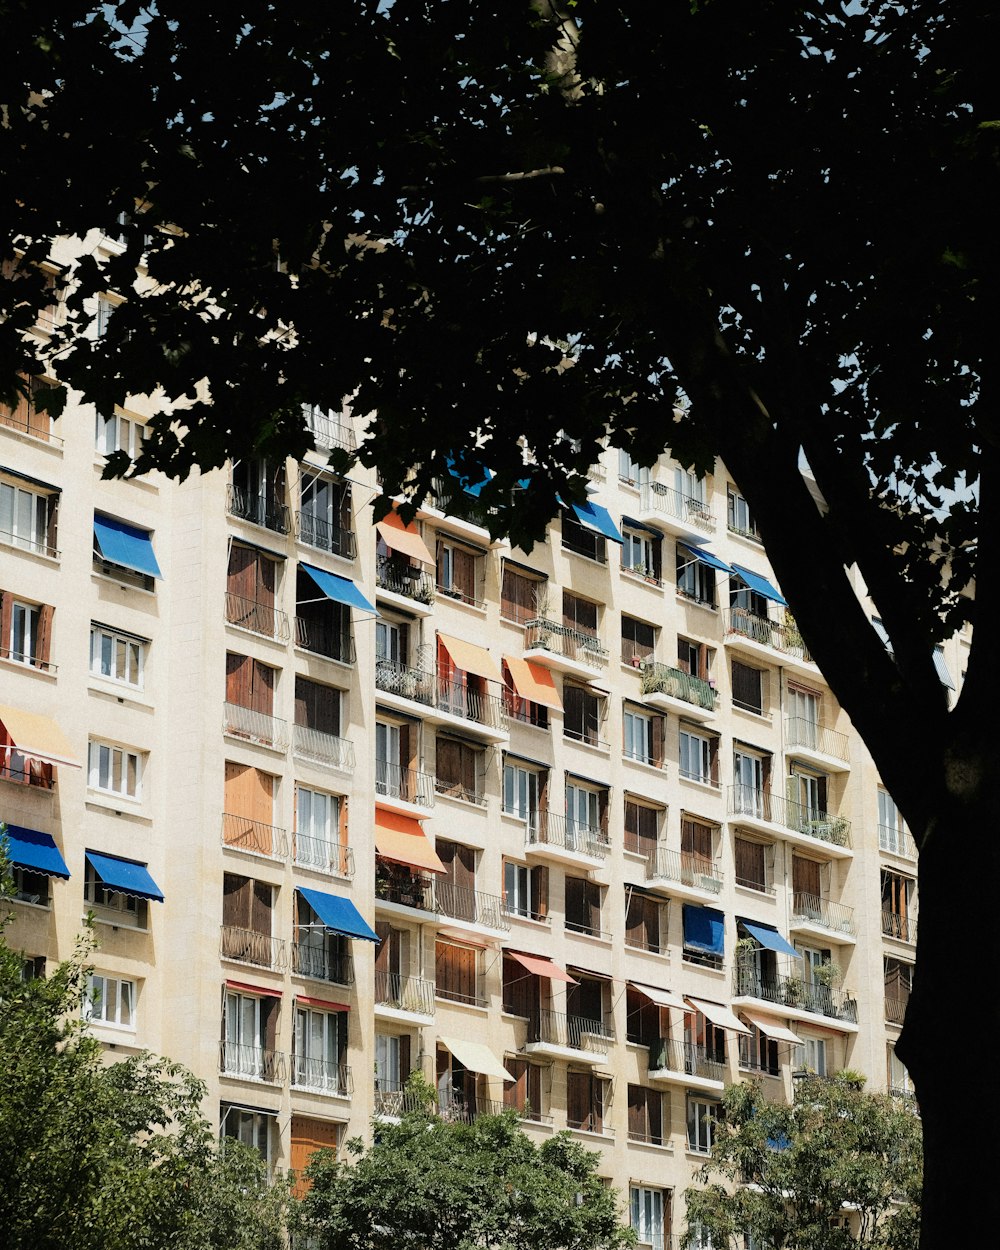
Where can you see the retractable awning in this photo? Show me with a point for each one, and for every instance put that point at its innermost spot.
(704, 556)
(126, 545)
(942, 669)
(244, 987)
(470, 658)
(339, 915)
(593, 516)
(401, 839)
(773, 1029)
(769, 937)
(704, 929)
(405, 538)
(325, 1004)
(759, 583)
(339, 589)
(37, 736)
(533, 682)
(718, 1015)
(476, 1058)
(543, 967)
(662, 998)
(127, 876)
(27, 848)
(471, 480)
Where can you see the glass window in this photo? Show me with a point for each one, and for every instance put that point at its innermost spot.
(701, 1118)
(118, 433)
(25, 518)
(521, 793)
(647, 1216)
(115, 770)
(317, 817)
(738, 517)
(639, 737)
(695, 759)
(119, 657)
(110, 1000)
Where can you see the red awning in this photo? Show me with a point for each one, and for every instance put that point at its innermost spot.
(262, 991)
(323, 1003)
(543, 967)
(533, 682)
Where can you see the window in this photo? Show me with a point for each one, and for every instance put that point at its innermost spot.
(111, 904)
(754, 864)
(690, 485)
(257, 494)
(317, 952)
(701, 1118)
(28, 518)
(250, 593)
(898, 986)
(695, 580)
(807, 796)
(317, 723)
(392, 1067)
(247, 908)
(751, 783)
(738, 517)
(325, 519)
(645, 922)
(645, 1116)
(698, 758)
(697, 845)
(519, 708)
(638, 641)
(628, 471)
(900, 1083)
(811, 1055)
(460, 572)
(582, 540)
(318, 1047)
(456, 973)
(642, 825)
(897, 906)
(694, 658)
(643, 737)
(587, 1098)
(249, 685)
(249, 1030)
(892, 835)
(583, 906)
(522, 594)
(526, 890)
(707, 1038)
(749, 688)
(392, 641)
(524, 1093)
(119, 433)
(641, 554)
(255, 1129)
(321, 625)
(115, 770)
(30, 887)
(109, 1000)
(458, 769)
(586, 815)
(803, 717)
(118, 656)
(26, 415)
(582, 714)
(25, 631)
(317, 828)
(747, 602)
(758, 1052)
(524, 791)
(105, 309)
(647, 1210)
(580, 614)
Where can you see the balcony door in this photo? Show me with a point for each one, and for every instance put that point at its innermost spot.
(244, 1041)
(803, 709)
(387, 758)
(748, 775)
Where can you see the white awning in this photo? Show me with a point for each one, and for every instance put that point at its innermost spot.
(771, 1028)
(476, 1057)
(662, 998)
(718, 1014)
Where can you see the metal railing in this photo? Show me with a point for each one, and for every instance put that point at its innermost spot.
(454, 697)
(687, 1057)
(684, 868)
(323, 639)
(406, 890)
(404, 579)
(322, 748)
(268, 513)
(576, 1032)
(455, 790)
(895, 1007)
(322, 964)
(745, 800)
(251, 1063)
(258, 618)
(392, 1098)
(571, 644)
(655, 497)
(404, 993)
(406, 784)
(554, 829)
(792, 991)
(28, 660)
(324, 1076)
(258, 727)
(473, 906)
(316, 531)
(642, 573)
(774, 634)
(812, 737)
(836, 916)
(240, 833)
(897, 841)
(674, 682)
(901, 927)
(247, 946)
(328, 433)
(323, 855)
(451, 1106)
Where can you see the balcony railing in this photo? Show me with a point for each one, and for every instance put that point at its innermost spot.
(268, 513)
(576, 1032)
(660, 679)
(402, 579)
(258, 727)
(324, 1076)
(243, 834)
(251, 1063)
(321, 964)
(258, 618)
(335, 643)
(830, 915)
(454, 697)
(406, 784)
(329, 433)
(473, 906)
(323, 855)
(807, 734)
(670, 503)
(901, 927)
(322, 748)
(686, 1057)
(897, 841)
(555, 829)
(684, 868)
(571, 644)
(747, 800)
(392, 1098)
(324, 535)
(791, 991)
(404, 993)
(455, 790)
(895, 1007)
(454, 1107)
(774, 634)
(247, 946)
(406, 890)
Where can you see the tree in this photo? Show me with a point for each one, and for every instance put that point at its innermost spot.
(512, 235)
(444, 1185)
(790, 1175)
(110, 1156)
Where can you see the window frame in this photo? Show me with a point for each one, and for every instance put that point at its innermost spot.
(94, 747)
(90, 1011)
(40, 530)
(117, 638)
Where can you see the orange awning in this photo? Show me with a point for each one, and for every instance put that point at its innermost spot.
(470, 658)
(533, 682)
(404, 538)
(36, 736)
(543, 967)
(402, 839)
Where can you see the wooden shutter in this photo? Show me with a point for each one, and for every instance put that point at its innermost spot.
(6, 621)
(262, 688)
(43, 641)
(576, 909)
(265, 579)
(578, 1099)
(806, 876)
(238, 679)
(383, 957)
(518, 595)
(404, 1057)
(635, 919)
(603, 805)
(242, 575)
(658, 737)
(261, 915)
(269, 1022)
(464, 867)
(464, 573)
(469, 769)
(515, 1092)
(236, 894)
(448, 765)
(573, 709)
(540, 890)
(638, 1123)
(696, 838)
(308, 1136)
(821, 790)
(713, 760)
(750, 863)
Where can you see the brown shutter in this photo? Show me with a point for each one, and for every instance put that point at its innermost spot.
(262, 688)
(603, 804)
(269, 1022)
(241, 577)
(238, 679)
(464, 867)
(44, 640)
(658, 736)
(713, 758)
(6, 621)
(822, 791)
(638, 1126)
(464, 568)
(261, 916)
(265, 579)
(39, 423)
(448, 764)
(469, 774)
(303, 703)
(578, 1099)
(575, 905)
(805, 876)
(404, 1057)
(382, 955)
(540, 884)
(634, 919)
(236, 901)
(52, 521)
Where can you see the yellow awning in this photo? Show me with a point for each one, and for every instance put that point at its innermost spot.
(404, 538)
(402, 839)
(662, 998)
(718, 1014)
(772, 1029)
(37, 736)
(476, 1057)
(533, 682)
(470, 658)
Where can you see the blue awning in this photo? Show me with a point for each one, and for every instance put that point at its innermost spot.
(35, 851)
(339, 589)
(126, 545)
(760, 584)
(883, 633)
(770, 938)
(633, 524)
(338, 914)
(126, 875)
(942, 669)
(593, 517)
(706, 557)
(704, 929)
(473, 479)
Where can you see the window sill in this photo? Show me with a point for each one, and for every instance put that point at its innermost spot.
(600, 939)
(123, 583)
(764, 717)
(25, 902)
(598, 748)
(52, 443)
(480, 1008)
(105, 688)
(108, 922)
(539, 922)
(445, 597)
(710, 787)
(664, 1146)
(659, 770)
(467, 804)
(117, 806)
(595, 561)
(766, 891)
(604, 1135)
(19, 666)
(47, 557)
(100, 460)
(691, 602)
(663, 953)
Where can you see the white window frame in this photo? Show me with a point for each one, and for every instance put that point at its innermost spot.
(811, 1055)
(317, 824)
(104, 758)
(517, 888)
(521, 790)
(738, 516)
(583, 812)
(891, 827)
(117, 656)
(628, 471)
(638, 552)
(646, 1208)
(24, 517)
(388, 639)
(694, 748)
(701, 1115)
(118, 994)
(638, 736)
(317, 1030)
(697, 581)
(118, 433)
(25, 618)
(252, 1128)
(387, 1070)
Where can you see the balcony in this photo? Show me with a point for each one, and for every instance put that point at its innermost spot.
(795, 995)
(811, 741)
(564, 649)
(756, 634)
(774, 813)
(251, 1063)
(259, 618)
(896, 841)
(684, 873)
(569, 1037)
(685, 1063)
(410, 996)
(268, 513)
(393, 1099)
(901, 927)
(322, 1076)
(671, 689)
(320, 963)
(322, 855)
(402, 888)
(256, 727)
(441, 701)
(316, 531)
(679, 514)
(247, 946)
(406, 785)
(253, 837)
(810, 912)
(405, 581)
(464, 1110)
(455, 790)
(322, 748)
(324, 639)
(441, 898)
(551, 835)
(329, 433)
(895, 1007)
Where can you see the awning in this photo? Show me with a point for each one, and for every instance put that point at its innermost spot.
(125, 875)
(533, 682)
(662, 998)
(471, 479)
(37, 736)
(633, 524)
(339, 589)
(704, 929)
(323, 1003)
(942, 669)
(769, 937)
(26, 848)
(772, 1029)
(476, 1058)
(261, 991)
(543, 967)
(126, 545)
(883, 633)
(718, 1014)
(760, 584)
(405, 538)
(593, 517)
(470, 658)
(705, 557)
(401, 839)
(339, 915)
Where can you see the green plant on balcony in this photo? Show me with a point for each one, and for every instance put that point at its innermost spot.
(826, 974)
(794, 989)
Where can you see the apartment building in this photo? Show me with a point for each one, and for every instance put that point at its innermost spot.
(580, 832)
